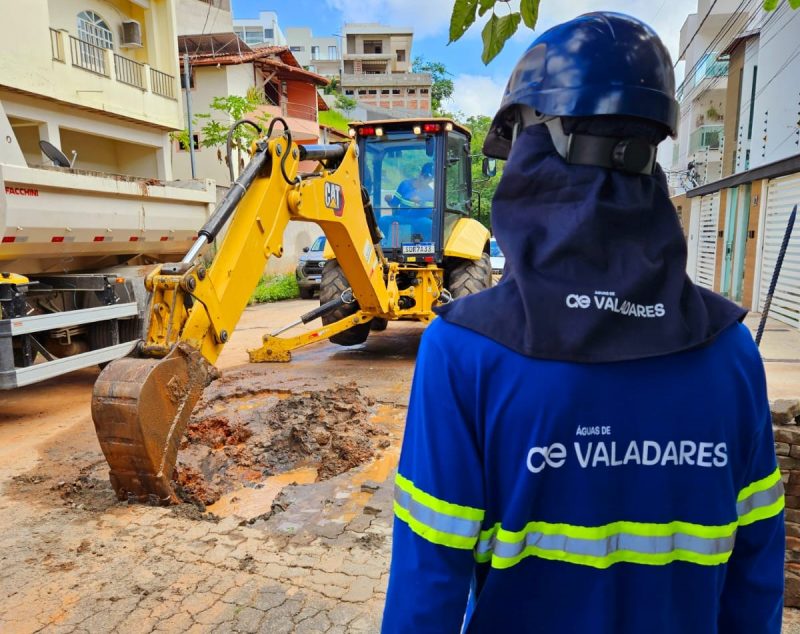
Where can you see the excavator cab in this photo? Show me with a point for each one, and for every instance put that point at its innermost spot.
(417, 173)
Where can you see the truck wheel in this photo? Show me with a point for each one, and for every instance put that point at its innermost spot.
(306, 293)
(333, 284)
(470, 276)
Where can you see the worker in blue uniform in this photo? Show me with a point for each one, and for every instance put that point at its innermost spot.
(412, 205)
(588, 444)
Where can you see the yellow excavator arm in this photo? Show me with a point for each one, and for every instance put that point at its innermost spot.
(142, 403)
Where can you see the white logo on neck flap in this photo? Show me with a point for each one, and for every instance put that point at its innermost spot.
(608, 300)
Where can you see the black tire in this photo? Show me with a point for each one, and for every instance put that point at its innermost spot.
(378, 324)
(470, 276)
(306, 293)
(130, 329)
(100, 334)
(333, 284)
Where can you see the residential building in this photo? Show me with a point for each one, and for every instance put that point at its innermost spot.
(736, 222)
(261, 30)
(223, 65)
(204, 16)
(95, 77)
(319, 54)
(377, 69)
(697, 151)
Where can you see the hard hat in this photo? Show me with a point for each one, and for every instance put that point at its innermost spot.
(427, 170)
(600, 63)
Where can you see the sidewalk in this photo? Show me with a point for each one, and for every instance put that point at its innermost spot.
(780, 349)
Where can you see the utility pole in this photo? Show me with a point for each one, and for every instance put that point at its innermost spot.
(187, 74)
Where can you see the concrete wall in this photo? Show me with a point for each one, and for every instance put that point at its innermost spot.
(732, 107)
(741, 140)
(302, 37)
(777, 90)
(201, 16)
(28, 65)
(148, 148)
(211, 82)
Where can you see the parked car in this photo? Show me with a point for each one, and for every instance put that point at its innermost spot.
(309, 268)
(497, 257)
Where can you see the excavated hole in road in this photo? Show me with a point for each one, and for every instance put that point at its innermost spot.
(242, 447)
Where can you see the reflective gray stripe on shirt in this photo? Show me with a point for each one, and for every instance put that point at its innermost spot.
(760, 499)
(435, 520)
(613, 543)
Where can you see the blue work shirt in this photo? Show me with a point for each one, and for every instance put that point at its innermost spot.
(628, 497)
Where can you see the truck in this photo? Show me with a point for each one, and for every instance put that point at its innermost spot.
(75, 249)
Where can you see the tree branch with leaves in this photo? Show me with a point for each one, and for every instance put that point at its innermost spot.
(500, 26)
(503, 24)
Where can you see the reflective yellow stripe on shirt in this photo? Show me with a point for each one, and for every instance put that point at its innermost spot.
(653, 544)
(761, 500)
(436, 520)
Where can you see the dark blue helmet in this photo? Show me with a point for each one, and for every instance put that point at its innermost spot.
(597, 64)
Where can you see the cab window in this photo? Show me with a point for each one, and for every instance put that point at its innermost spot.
(457, 179)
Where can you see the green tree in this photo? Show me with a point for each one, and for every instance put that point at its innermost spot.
(483, 188)
(442, 87)
(212, 127)
(345, 103)
(333, 87)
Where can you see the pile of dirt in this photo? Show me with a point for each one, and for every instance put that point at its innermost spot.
(86, 492)
(238, 437)
(215, 432)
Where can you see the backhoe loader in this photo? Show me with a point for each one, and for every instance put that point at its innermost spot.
(393, 204)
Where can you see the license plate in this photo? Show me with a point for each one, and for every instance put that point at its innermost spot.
(418, 248)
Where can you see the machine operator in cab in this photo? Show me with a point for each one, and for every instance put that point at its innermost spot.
(588, 445)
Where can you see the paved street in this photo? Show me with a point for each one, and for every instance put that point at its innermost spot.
(75, 560)
(279, 557)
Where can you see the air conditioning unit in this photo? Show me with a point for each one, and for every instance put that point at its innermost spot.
(131, 34)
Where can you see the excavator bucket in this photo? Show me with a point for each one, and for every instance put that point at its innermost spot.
(140, 409)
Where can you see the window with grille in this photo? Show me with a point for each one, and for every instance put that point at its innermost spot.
(333, 53)
(93, 30)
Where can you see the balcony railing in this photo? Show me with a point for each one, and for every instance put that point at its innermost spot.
(88, 56)
(710, 66)
(106, 63)
(162, 84)
(706, 137)
(129, 72)
(57, 46)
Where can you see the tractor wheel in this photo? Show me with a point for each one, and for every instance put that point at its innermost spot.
(333, 284)
(378, 324)
(470, 276)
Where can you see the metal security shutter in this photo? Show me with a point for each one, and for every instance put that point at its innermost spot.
(707, 241)
(783, 194)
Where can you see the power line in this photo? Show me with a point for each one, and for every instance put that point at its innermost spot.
(694, 35)
(724, 30)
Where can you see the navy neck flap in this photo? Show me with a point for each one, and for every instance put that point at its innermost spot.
(595, 265)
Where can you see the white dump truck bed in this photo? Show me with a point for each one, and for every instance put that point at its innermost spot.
(62, 220)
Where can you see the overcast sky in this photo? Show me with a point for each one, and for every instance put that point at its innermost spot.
(477, 87)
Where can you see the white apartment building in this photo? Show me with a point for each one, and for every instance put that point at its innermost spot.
(736, 221)
(319, 54)
(261, 30)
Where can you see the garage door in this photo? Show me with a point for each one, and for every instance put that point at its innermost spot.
(707, 241)
(783, 194)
